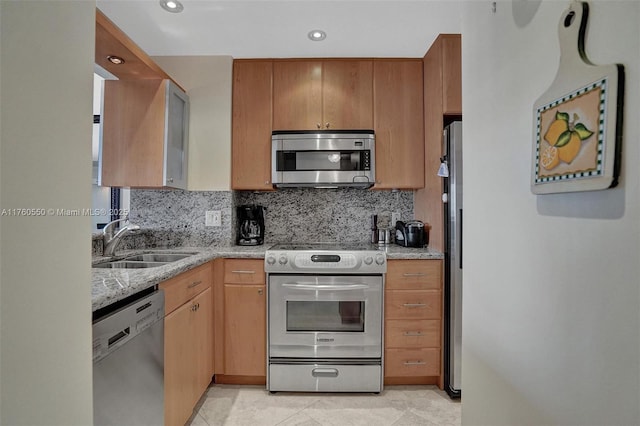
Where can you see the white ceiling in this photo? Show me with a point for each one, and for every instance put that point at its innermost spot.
(278, 29)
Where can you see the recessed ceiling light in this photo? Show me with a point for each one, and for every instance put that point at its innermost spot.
(173, 6)
(317, 35)
(117, 60)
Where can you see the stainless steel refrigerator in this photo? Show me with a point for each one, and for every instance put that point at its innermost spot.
(452, 201)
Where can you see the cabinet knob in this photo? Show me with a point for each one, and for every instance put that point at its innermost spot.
(266, 182)
(170, 179)
(260, 291)
(319, 126)
(326, 125)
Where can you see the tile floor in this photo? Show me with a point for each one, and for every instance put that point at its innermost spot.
(232, 405)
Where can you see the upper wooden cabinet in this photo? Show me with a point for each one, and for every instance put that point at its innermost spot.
(251, 125)
(144, 134)
(322, 94)
(398, 123)
(443, 102)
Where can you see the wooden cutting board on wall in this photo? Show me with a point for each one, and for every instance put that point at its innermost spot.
(577, 127)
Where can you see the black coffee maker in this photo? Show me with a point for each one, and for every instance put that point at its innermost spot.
(250, 225)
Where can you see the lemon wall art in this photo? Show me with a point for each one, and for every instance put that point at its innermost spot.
(577, 123)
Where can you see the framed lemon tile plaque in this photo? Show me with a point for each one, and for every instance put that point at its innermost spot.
(578, 120)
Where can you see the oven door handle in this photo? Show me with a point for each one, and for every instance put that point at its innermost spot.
(326, 287)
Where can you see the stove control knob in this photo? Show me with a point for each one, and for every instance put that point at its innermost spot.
(368, 260)
(283, 260)
(379, 259)
(271, 260)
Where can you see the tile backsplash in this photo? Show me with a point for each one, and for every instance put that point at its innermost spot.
(171, 218)
(343, 215)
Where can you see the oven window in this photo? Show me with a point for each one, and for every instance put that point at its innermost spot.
(325, 316)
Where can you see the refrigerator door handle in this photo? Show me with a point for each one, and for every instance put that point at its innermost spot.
(460, 244)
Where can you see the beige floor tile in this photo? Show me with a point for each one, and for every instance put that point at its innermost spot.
(235, 405)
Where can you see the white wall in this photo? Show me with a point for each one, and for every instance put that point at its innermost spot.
(552, 282)
(45, 143)
(207, 80)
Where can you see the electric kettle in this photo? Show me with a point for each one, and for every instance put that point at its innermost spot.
(411, 234)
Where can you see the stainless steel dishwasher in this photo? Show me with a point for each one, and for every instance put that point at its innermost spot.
(128, 362)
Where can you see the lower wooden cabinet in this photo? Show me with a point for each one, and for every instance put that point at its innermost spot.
(188, 344)
(413, 322)
(241, 321)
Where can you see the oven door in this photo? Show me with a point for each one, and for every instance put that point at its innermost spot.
(317, 316)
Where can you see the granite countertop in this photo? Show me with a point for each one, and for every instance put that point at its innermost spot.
(112, 285)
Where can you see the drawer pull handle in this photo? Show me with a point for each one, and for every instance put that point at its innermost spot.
(414, 305)
(417, 274)
(413, 333)
(243, 272)
(195, 307)
(324, 372)
(414, 363)
(195, 283)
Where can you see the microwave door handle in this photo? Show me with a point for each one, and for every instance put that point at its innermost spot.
(326, 287)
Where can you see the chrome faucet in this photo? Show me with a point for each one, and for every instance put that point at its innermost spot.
(112, 240)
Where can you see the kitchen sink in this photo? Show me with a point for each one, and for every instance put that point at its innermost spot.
(126, 264)
(144, 260)
(158, 257)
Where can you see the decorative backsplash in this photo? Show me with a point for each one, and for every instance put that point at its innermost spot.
(171, 218)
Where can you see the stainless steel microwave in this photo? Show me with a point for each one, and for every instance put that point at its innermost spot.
(323, 159)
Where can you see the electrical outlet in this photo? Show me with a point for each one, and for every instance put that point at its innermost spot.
(213, 218)
(395, 216)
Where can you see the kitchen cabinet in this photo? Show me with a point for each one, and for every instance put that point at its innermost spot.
(413, 322)
(251, 125)
(322, 94)
(144, 137)
(442, 104)
(241, 331)
(398, 123)
(188, 334)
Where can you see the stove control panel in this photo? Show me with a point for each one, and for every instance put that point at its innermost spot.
(325, 262)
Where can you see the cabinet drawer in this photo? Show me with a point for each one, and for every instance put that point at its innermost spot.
(183, 287)
(414, 274)
(412, 304)
(411, 362)
(244, 271)
(412, 333)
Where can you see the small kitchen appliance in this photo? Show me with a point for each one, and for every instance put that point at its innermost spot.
(250, 225)
(411, 234)
(324, 317)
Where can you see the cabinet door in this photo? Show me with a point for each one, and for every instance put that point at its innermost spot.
(297, 95)
(347, 94)
(245, 330)
(451, 74)
(188, 356)
(176, 137)
(132, 133)
(398, 123)
(202, 342)
(251, 123)
(178, 366)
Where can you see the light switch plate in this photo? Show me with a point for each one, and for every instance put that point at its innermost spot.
(213, 218)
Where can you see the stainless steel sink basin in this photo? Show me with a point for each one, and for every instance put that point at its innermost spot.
(126, 264)
(158, 257)
(145, 260)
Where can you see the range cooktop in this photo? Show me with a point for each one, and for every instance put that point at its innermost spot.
(324, 246)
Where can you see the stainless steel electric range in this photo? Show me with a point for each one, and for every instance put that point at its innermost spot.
(325, 311)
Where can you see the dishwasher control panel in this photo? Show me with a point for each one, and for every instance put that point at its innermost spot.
(119, 327)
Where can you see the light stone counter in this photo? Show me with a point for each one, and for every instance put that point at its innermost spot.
(112, 285)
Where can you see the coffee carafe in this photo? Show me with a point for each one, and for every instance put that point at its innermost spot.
(250, 225)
